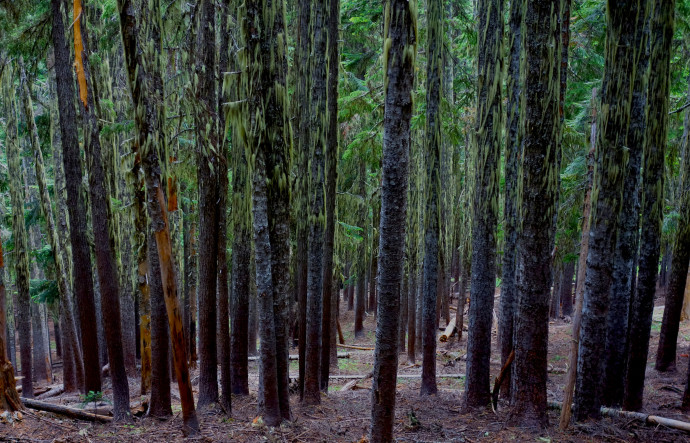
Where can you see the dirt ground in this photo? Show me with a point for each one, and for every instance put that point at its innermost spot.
(344, 416)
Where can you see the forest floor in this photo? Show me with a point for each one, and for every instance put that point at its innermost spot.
(343, 416)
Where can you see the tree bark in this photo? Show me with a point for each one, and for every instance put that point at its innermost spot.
(623, 48)
(538, 195)
(81, 256)
(488, 133)
(642, 306)
(399, 56)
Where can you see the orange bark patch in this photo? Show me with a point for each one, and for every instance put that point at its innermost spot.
(79, 52)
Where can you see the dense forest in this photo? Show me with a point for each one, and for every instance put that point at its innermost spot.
(343, 220)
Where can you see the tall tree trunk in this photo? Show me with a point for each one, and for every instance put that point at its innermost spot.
(330, 290)
(21, 252)
(678, 272)
(623, 49)
(100, 217)
(538, 197)
(361, 262)
(433, 187)
(485, 202)
(81, 256)
(399, 56)
(642, 306)
(144, 75)
(627, 241)
(159, 406)
(567, 288)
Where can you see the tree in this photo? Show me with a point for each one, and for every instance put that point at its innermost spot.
(207, 163)
(433, 185)
(508, 299)
(81, 255)
(144, 68)
(20, 240)
(622, 51)
(100, 219)
(399, 55)
(488, 148)
(317, 215)
(537, 194)
(642, 306)
(267, 135)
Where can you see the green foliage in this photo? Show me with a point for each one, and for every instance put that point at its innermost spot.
(44, 291)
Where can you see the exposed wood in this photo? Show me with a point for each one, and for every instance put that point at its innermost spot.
(52, 392)
(360, 348)
(349, 386)
(449, 331)
(500, 378)
(647, 419)
(77, 414)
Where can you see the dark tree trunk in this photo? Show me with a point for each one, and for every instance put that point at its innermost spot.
(485, 202)
(538, 197)
(399, 72)
(100, 217)
(330, 290)
(555, 305)
(433, 185)
(627, 240)
(144, 75)
(567, 288)
(21, 247)
(361, 262)
(624, 46)
(207, 163)
(678, 269)
(81, 256)
(642, 306)
(159, 406)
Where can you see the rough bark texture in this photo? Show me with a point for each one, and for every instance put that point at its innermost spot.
(622, 51)
(361, 262)
(538, 192)
(627, 240)
(160, 406)
(330, 290)
(146, 84)
(485, 203)
(567, 289)
(642, 306)
(399, 60)
(100, 219)
(508, 300)
(675, 291)
(81, 256)
(21, 252)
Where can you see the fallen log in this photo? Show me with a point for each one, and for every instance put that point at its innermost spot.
(56, 390)
(359, 348)
(296, 357)
(77, 414)
(450, 330)
(645, 418)
(351, 385)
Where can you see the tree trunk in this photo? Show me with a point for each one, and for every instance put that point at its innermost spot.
(147, 91)
(642, 306)
(624, 45)
(678, 269)
(81, 256)
(399, 64)
(159, 406)
(488, 130)
(330, 290)
(21, 252)
(361, 262)
(538, 197)
(567, 289)
(555, 305)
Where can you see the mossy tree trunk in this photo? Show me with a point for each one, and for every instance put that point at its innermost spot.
(485, 202)
(400, 48)
(642, 305)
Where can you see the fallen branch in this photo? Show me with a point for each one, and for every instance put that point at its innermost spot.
(359, 348)
(296, 357)
(647, 419)
(77, 414)
(349, 386)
